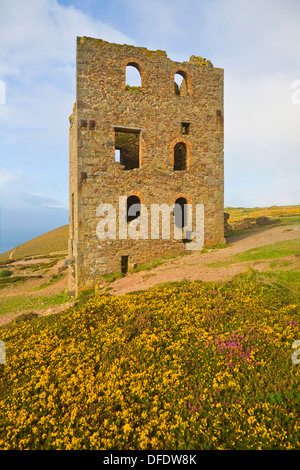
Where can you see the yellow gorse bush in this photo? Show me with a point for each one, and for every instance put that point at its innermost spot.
(186, 366)
(238, 214)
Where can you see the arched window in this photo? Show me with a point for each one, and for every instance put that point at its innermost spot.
(180, 212)
(133, 80)
(180, 83)
(133, 204)
(179, 156)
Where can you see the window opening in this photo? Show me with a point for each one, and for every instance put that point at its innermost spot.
(180, 84)
(117, 155)
(131, 201)
(185, 128)
(180, 156)
(133, 79)
(180, 212)
(127, 148)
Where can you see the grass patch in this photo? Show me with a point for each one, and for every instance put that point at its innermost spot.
(219, 264)
(86, 293)
(111, 277)
(24, 267)
(57, 256)
(280, 263)
(286, 279)
(167, 257)
(54, 278)
(50, 264)
(215, 247)
(289, 220)
(148, 275)
(39, 266)
(218, 246)
(7, 281)
(237, 233)
(158, 262)
(275, 250)
(15, 304)
(147, 266)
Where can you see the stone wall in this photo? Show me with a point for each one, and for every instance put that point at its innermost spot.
(156, 111)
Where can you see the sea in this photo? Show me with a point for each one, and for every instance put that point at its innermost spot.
(12, 239)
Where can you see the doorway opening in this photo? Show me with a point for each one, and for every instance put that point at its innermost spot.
(124, 264)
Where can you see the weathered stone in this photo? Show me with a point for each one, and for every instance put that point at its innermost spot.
(227, 226)
(245, 224)
(263, 220)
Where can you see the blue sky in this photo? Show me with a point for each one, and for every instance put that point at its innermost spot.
(255, 41)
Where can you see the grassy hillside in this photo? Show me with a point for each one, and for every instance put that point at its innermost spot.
(54, 241)
(283, 213)
(183, 366)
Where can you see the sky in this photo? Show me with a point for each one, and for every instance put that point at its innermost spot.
(256, 42)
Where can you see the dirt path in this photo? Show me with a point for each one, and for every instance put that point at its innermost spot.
(192, 267)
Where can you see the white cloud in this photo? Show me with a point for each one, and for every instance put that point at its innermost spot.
(37, 59)
(40, 35)
(42, 201)
(6, 177)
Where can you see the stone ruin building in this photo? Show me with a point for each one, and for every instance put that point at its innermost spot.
(157, 143)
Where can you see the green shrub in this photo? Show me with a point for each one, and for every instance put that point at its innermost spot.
(5, 273)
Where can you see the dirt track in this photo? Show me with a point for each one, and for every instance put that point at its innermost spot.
(192, 267)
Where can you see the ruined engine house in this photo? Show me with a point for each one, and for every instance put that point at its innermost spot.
(158, 142)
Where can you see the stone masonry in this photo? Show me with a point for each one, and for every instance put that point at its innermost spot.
(170, 145)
